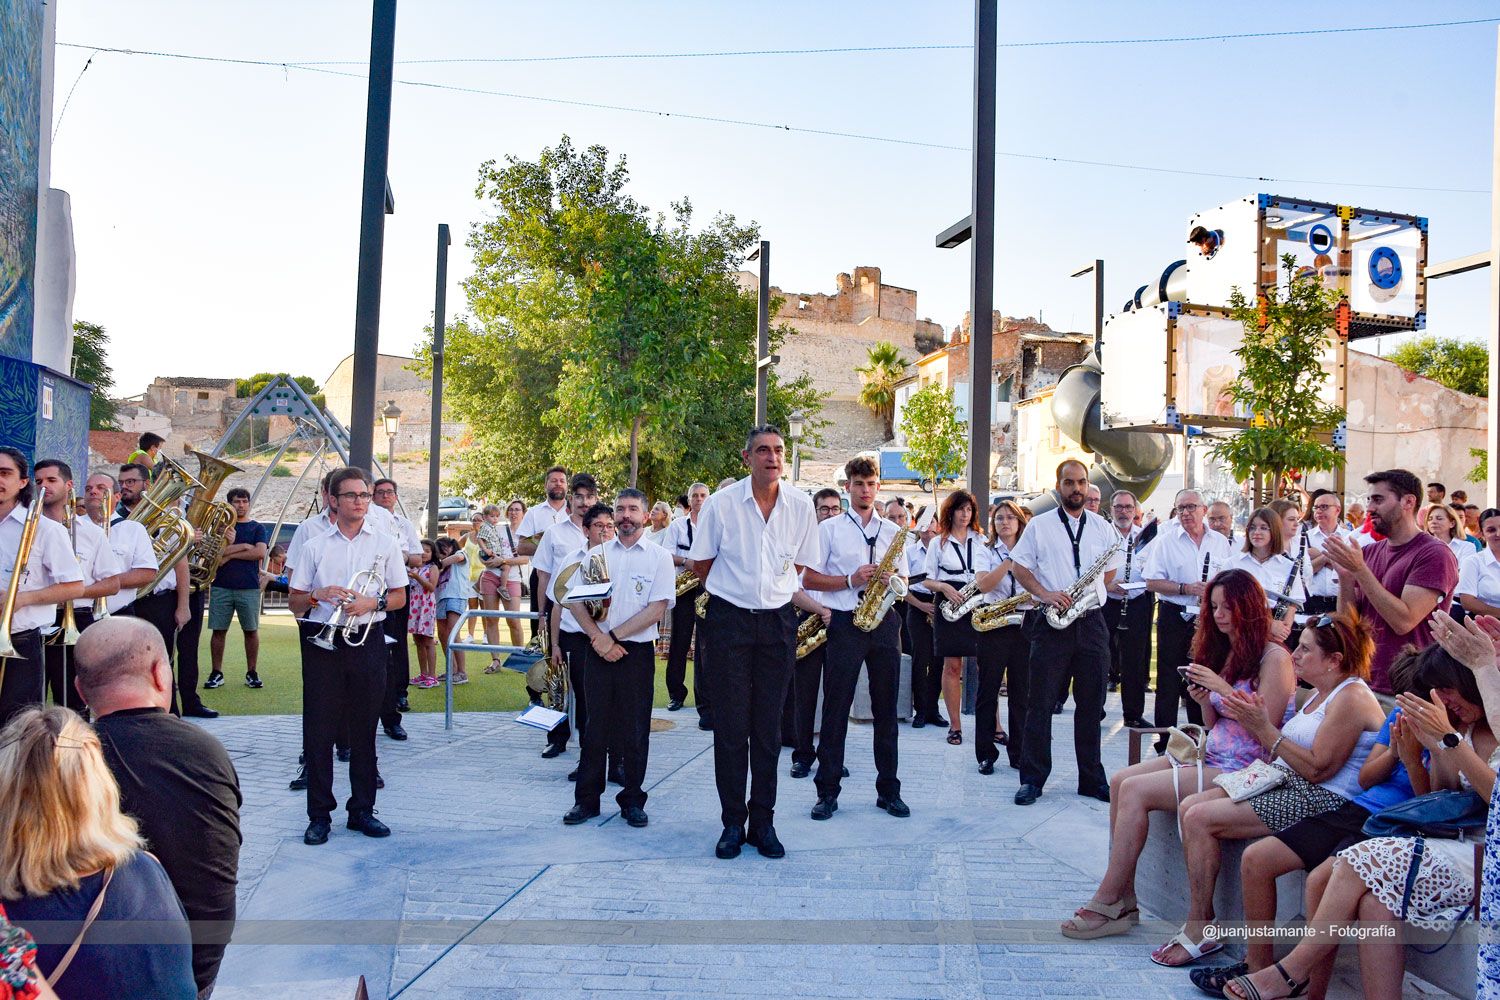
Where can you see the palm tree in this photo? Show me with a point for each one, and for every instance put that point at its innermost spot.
(878, 378)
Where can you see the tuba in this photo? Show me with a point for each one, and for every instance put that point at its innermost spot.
(211, 519)
(13, 591)
(1084, 595)
(879, 597)
(171, 533)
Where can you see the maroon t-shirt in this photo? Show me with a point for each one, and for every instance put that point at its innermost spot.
(1422, 562)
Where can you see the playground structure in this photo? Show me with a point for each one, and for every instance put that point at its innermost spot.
(1167, 358)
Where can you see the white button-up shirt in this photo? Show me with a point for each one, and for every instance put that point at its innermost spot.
(957, 563)
(679, 537)
(541, 517)
(1271, 575)
(1174, 556)
(756, 559)
(95, 558)
(566, 622)
(639, 574)
(848, 545)
(916, 564)
(1133, 559)
(1479, 576)
(562, 539)
(332, 559)
(51, 561)
(1044, 548)
(1325, 582)
(405, 532)
(132, 549)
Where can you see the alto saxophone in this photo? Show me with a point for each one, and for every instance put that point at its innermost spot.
(969, 598)
(879, 597)
(1083, 593)
(686, 581)
(999, 614)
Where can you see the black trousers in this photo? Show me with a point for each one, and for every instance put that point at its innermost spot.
(1174, 640)
(926, 669)
(749, 655)
(187, 651)
(59, 659)
(1002, 652)
(537, 624)
(1082, 651)
(684, 620)
(397, 664)
(879, 652)
(1130, 650)
(22, 678)
(575, 649)
(807, 678)
(620, 696)
(161, 611)
(340, 688)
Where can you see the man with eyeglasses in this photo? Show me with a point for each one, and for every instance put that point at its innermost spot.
(398, 664)
(1328, 522)
(799, 711)
(166, 607)
(1221, 519)
(1182, 560)
(354, 573)
(1127, 612)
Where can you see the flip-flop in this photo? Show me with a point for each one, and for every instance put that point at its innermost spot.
(1118, 919)
(1201, 949)
(955, 737)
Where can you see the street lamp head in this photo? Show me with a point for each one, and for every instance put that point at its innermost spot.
(1086, 269)
(795, 423)
(391, 415)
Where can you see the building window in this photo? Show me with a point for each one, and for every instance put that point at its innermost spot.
(202, 395)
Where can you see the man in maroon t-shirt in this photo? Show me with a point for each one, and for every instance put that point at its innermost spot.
(1397, 583)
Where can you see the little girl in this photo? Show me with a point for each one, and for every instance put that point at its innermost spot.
(454, 589)
(423, 604)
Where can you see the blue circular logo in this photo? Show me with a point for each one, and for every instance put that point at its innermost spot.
(1384, 268)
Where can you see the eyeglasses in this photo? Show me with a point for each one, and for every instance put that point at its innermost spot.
(1183, 507)
(1325, 506)
(361, 497)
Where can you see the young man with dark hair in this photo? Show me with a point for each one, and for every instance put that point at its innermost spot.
(1395, 583)
(1436, 492)
(148, 446)
(236, 591)
(557, 550)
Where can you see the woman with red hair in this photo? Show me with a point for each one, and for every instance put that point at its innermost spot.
(1232, 652)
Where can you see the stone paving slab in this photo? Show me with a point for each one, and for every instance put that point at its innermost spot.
(482, 892)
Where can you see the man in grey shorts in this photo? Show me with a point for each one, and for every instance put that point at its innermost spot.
(236, 591)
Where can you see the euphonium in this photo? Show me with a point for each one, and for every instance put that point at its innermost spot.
(171, 533)
(811, 634)
(67, 633)
(355, 632)
(13, 591)
(211, 519)
(879, 597)
(999, 614)
(1084, 594)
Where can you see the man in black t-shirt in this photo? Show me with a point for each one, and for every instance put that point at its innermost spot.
(175, 779)
(236, 590)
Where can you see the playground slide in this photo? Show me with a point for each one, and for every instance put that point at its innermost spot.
(1127, 460)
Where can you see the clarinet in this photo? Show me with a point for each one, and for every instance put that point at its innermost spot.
(1125, 601)
(1284, 599)
(1192, 616)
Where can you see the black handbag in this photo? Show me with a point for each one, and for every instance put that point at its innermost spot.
(1446, 815)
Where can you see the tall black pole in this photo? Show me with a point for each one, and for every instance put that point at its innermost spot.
(435, 443)
(982, 257)
(763, 333)
(372, 234)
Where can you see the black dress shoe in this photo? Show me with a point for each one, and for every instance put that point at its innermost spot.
(1102, 794)
(580, 814)
(616, 776)
(675, 705)
(395, 731)
(1027, 794)
(201, 712)
(988, 767)
(1002, 739)
(800, 770)
(1114, 686)
(379, 781)
(343, 754)
(403, 705)
(825, 808)
(894, 806)
(917, 722)
(551, 751)
(707, 725)
(937, 720)
(299, 783)
(317, 833)
(573, 774)
(766, 843)
(1137, 724)
(729, 843)
(635, 816)
(367, 824)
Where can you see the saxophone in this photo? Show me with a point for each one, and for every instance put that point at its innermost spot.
(879, 597)
(686, 581)
(969, 598)
(811, 633)
(700, 605)
(999, 614)
(1084, 595)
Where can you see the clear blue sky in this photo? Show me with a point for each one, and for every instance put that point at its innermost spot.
(216, 207)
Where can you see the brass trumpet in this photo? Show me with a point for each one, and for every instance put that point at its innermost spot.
(355, 632)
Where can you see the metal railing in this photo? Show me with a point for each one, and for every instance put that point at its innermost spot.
(478, 647)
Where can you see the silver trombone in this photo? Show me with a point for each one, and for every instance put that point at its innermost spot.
(355, 632)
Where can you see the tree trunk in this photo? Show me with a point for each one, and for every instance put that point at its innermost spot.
(635, 448)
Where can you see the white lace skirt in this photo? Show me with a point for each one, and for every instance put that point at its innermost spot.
(1444, 886)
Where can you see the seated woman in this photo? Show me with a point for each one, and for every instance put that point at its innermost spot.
(1321, 750)
(55, 790)
(1367, 882)
(1233, 651)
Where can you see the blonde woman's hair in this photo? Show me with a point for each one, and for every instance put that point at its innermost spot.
(60, 816)
(1457, 523)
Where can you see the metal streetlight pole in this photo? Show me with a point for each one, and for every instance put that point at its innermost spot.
(391, 415)
(764, 359)
(435, 441)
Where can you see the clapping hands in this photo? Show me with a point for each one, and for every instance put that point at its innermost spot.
(1471, 642)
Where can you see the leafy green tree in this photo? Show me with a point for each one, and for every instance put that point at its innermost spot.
(935, 437)
(1280, 378)
(877, 382)
(91, 365)
(601, 336)
(1481, 472)
(1463, 365)
(246, 388)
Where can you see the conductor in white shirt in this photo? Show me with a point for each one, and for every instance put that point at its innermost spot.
(753, 540)
(1053, 553)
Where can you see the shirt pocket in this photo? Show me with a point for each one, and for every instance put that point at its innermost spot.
(640, 587)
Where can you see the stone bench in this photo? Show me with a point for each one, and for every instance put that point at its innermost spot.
(1162, 888)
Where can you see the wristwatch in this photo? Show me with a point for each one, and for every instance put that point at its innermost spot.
(1451, 741)
(380, 602)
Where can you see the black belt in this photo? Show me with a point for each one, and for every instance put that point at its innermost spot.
(25, 634)
(751, 611)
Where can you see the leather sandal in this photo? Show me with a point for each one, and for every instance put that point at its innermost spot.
(494, 667)
(1118, 919)
(955, 737)
(1243, 988)
(1195, 950)
(1212, 979)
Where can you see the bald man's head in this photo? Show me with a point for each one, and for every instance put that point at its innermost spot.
(121, 663)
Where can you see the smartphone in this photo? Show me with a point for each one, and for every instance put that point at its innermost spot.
(1182, 672)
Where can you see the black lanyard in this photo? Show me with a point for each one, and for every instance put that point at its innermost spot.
(690, 532)
(870, 540)
(1077, 540)
(965, 565)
